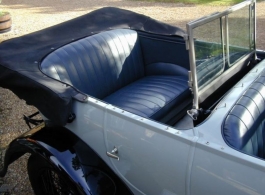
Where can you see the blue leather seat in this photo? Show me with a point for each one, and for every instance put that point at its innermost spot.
(110, 67)
(151, 96)
(243, 128)
(98, 65)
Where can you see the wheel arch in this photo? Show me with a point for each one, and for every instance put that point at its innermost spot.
(69, 155)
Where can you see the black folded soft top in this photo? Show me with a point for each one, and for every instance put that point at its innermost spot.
(20, 57)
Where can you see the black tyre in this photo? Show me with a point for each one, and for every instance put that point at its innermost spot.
(47, 180)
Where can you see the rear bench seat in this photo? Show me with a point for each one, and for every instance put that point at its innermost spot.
(110, 67)
(244, 127)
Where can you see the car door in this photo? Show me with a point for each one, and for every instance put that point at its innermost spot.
(150, 157)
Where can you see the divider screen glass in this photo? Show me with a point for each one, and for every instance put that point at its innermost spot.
(216, 44)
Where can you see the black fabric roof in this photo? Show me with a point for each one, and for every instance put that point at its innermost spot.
(20, 57)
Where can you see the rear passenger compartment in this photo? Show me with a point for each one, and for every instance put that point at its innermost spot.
(137, 72)
(243, 127)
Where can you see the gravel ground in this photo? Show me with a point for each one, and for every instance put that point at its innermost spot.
(32, 15)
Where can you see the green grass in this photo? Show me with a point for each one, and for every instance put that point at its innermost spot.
(3, 13)
(208, 2)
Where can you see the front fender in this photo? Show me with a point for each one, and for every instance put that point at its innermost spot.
(69, 155)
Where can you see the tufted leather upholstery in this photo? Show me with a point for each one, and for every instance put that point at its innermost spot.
(149, 95)
(244, 125)
(98, 65)
(109, 66)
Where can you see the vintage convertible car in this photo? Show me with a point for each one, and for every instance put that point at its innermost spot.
(131, 105)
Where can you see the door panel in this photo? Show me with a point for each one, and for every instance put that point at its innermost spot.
(225, 171)
(152, 157)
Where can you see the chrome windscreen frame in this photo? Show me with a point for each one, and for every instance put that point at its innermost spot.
(190, 44)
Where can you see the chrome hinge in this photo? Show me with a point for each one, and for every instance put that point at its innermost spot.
(190, 82)
(186, 38)
(193, 113)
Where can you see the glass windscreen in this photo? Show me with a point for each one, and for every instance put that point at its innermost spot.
(217, 43)
(239, 35)
(208, 45)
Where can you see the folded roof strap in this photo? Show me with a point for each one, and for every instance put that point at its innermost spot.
(30, 120)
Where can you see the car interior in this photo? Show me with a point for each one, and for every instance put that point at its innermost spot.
(155, 76)
(144, 75)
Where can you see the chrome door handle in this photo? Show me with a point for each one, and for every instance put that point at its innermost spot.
(113, 153)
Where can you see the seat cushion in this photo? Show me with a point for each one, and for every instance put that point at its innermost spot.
(152, 96)
(98, 65)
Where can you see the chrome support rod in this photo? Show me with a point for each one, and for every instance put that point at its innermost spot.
(193, 68)
(227, 39)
